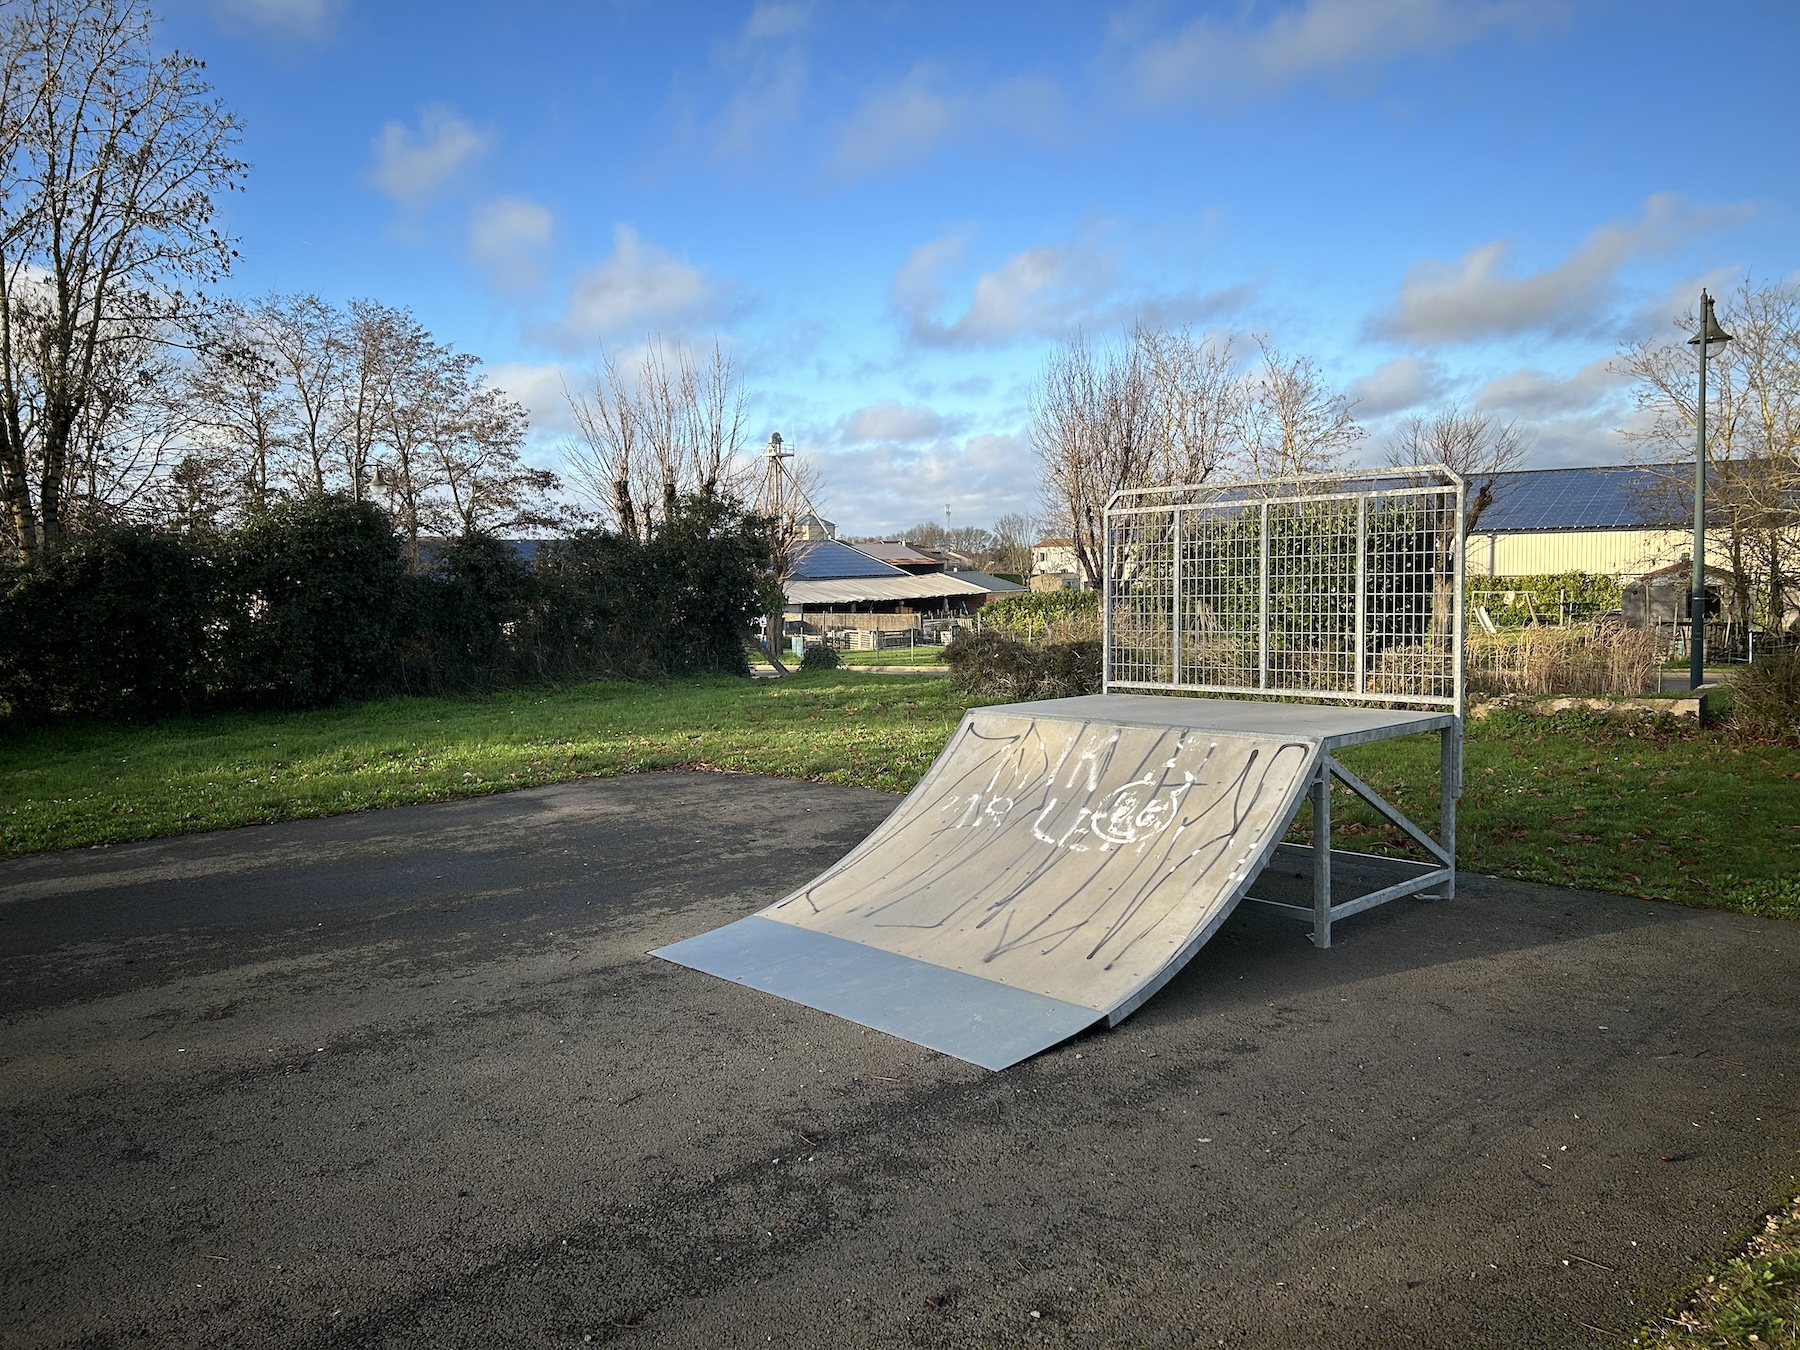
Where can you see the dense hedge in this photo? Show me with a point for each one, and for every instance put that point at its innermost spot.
(991, 665)
(315, 601)
(117, 623)
(1024, 613)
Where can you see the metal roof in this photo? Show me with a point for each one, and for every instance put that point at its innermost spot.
(864, 590)
(1617, 497)
(989, 582)
(900, 553)
(822, 559)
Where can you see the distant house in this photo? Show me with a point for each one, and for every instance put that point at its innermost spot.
(1054, 566)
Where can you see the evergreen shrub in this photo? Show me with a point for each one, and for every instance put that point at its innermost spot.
(115, 623)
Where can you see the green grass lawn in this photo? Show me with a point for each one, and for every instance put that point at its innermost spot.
(920, 655)
(1665, 811)
(75, 786)
(1698, 815)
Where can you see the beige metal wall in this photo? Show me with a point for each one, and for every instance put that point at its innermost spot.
(1620, 553)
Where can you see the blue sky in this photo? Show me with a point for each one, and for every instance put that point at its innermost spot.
(888, 212)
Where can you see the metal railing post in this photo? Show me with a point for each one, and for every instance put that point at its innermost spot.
(1175, 639)
(1262, 602)
(1449, 788)
(1321, 841)
(1362, 595)
(1106, 600)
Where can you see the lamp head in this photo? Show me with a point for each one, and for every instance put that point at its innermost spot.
(1711, 338)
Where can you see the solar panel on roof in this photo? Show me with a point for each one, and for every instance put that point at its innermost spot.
(822, 559)
(1610, 498)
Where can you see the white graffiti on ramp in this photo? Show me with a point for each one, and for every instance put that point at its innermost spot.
(1060, 856)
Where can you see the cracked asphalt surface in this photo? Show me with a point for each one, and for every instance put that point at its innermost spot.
(408, 1077)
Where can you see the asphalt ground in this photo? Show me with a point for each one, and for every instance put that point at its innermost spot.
(409, 1078)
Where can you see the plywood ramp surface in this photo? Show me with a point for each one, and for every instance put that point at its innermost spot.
(1076, 863)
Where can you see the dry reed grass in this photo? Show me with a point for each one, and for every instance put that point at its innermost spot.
(1579, 659)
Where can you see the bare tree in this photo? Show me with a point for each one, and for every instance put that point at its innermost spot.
(486, 483)
(304, 339)
(673, 427)
(240, 410)
(1014, 534)
(1289, 421)
(1752, 433)
(1477, 447)
(1196, 398)
(1094, 430)
(1168, 408)
(110, 158)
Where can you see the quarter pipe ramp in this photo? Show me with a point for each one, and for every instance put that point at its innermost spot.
(1058, 863)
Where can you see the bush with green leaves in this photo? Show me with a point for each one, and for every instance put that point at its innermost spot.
(314, 601)
(1586, 594)
(820, 656)
(469, 605)
(680, 602)
(117, 623)
(322, 597)
(1025, 614)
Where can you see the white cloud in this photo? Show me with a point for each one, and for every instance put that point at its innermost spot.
(885, 488)
(540, 389)
(764, 66)
(1534, 393)
(637, 290)
(507, 237)
(1397, 385)
(1035, 293)
(905, 122)
(412, 165)
(1220, 60)
(311, 19)
(894, 422)
(762, 105)
(768, 20)
(1047, 290)
(1480, 296)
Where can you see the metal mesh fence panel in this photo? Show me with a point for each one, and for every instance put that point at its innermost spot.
(1339, 588)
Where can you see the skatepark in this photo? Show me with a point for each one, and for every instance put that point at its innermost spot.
(410, 1077)
(1042, 1054)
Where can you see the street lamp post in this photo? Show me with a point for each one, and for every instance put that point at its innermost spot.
(1711, 340)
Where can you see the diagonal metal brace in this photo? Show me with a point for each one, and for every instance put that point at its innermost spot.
(1375, 799)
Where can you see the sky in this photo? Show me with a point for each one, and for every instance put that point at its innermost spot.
(888, 214)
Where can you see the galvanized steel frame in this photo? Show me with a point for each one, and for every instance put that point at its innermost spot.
(1441, 688)
(1361, 489)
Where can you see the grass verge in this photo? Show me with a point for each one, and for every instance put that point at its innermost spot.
(1753, 1303)
(75, 786)
(895, 656)
(1657, 810)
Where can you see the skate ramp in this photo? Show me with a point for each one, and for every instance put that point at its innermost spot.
(1057, 864)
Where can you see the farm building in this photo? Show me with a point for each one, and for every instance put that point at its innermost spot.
(1621, 521)
(835, 587)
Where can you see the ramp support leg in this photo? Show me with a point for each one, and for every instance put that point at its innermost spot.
(1321, 853)
(1449, 789)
